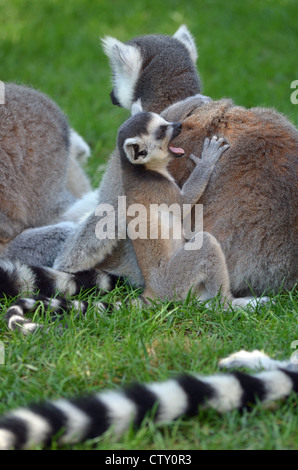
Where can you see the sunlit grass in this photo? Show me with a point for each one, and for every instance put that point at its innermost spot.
(247, 51)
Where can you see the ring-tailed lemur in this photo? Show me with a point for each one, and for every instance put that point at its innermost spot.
(170, 264)
(25, 427)
(83, 250)
(41, 178)
(247, 206)
(243, 228)
(249, 203)
(86, 417)
(169, 268)
(32, 253)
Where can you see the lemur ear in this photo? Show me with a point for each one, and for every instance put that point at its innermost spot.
(183, 35)
(126, 62)
(135, 150)
(136, 107)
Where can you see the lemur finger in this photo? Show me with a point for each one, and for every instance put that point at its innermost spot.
(195, 159)
(217, 141)
(212, 144)
(206, 144)
(217, 148)
(225, 147)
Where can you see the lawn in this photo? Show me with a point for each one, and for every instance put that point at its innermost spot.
(247, 51)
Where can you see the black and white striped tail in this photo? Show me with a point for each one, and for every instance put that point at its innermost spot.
(83, 418)
(58, 307)
(17, 278)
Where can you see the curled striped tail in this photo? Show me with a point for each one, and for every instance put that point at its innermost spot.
(17, 278)
(79, 419)
(59, 307)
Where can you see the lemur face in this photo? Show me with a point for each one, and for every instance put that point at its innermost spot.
(153, 146)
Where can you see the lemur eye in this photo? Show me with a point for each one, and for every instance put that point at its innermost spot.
(161, 132)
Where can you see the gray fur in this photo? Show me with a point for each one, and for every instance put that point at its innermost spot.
(169, 270)
(258, 238)
(84, 250)
(39, 246)
(174, 55)
(78, 183)
(36, 155)
(250, 201)
(171, 266)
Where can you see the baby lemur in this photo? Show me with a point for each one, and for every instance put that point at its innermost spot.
(171, 265)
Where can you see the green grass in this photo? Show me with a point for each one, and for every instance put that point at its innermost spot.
(248, 51)
(162, 341)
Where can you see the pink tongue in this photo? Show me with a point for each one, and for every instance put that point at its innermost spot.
(176, 150)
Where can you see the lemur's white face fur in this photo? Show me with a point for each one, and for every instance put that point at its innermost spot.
(154, 148)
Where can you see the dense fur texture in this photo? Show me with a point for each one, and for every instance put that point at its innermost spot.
(39, 246)
(204, 270)
(39, 162)
(133, 67)
(87, 417)
(171, 264)
(250, 204)
(158, 69)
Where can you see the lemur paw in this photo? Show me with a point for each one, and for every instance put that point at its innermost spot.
(251, 302)
(214, 148)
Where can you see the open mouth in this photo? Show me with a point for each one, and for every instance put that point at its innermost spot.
(176, 151)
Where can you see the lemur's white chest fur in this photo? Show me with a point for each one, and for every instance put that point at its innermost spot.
(160, 168)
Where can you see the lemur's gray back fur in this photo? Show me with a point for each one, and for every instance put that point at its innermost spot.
(174, 55)
(36, 150)
(179, 80)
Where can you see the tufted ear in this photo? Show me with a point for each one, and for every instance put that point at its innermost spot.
(126, 62)
(183, 35)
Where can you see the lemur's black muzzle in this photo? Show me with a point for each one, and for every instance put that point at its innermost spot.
(177, 128)
(176, 151)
